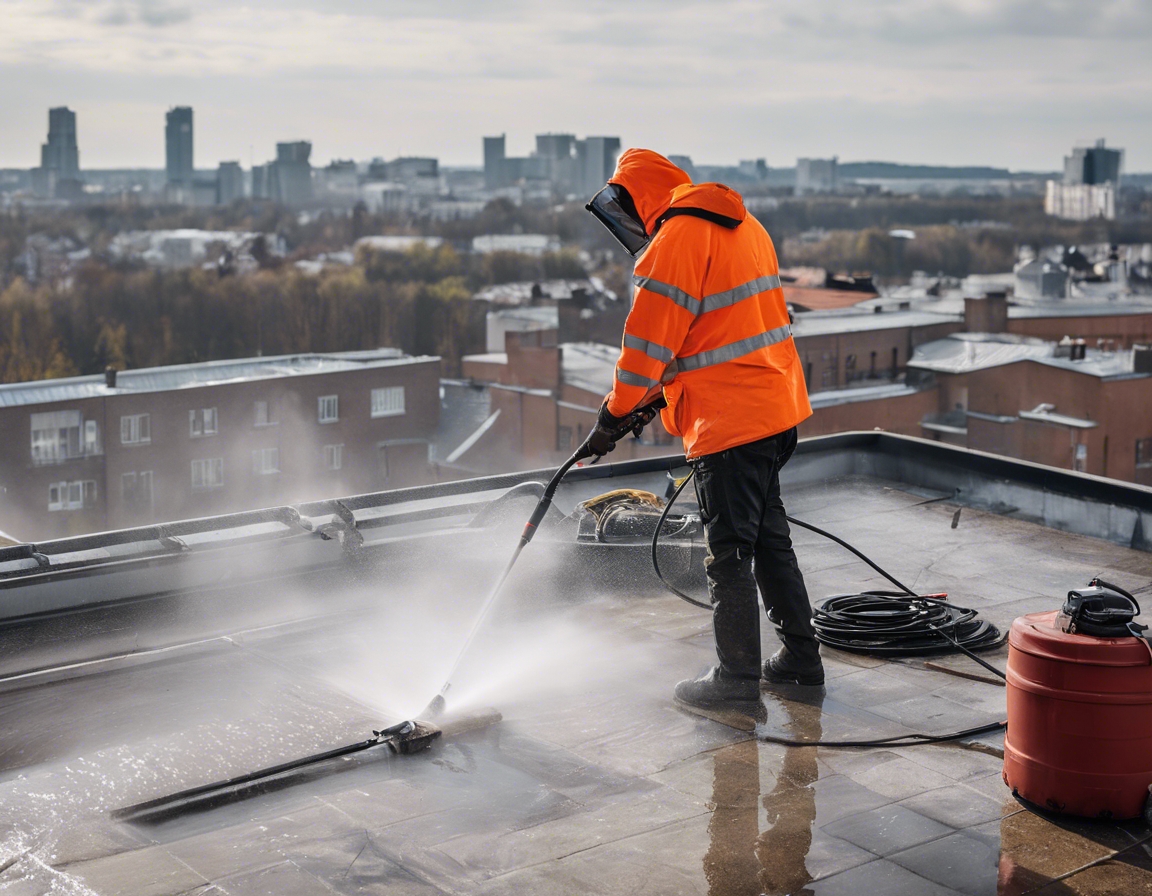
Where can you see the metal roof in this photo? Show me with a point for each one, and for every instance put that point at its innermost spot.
(817, 323)
(589, 365)
(205, 373)
(966, 352)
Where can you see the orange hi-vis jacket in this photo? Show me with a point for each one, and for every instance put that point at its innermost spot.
(708, 319)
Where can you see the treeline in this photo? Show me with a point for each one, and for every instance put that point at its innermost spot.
(947, 249)
(419, 301)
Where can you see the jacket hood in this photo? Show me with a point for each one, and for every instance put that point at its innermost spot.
(656, 185)
(649, 179)
(715, 199)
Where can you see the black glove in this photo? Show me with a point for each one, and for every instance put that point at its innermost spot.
(605, 434)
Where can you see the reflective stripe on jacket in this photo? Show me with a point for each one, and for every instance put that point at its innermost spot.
(708, 318)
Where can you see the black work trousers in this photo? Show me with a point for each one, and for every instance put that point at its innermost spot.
(748, 545)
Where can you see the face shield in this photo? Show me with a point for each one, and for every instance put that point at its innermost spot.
(614, 208)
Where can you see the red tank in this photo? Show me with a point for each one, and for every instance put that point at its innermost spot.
(1079, 735)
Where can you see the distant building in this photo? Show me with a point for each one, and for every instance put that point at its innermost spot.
(1080, 202)
(527, 243)
(59, 172)
(288, 180)
(178, 152)
(1088, 190)
(685, 164)
(816, 176)
(754, 169)
(1093, 165)
(597, 161)
(494, 163)
(94, 453)
(229, 183)
(339, 180)
(561, 164)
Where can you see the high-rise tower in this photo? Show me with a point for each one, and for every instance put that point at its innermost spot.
(178, 146)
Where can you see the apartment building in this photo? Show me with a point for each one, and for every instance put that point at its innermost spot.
(90, 453)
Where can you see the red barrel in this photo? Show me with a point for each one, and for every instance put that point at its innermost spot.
(1079, 735)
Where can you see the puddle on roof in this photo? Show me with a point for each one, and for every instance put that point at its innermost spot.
(811, 820)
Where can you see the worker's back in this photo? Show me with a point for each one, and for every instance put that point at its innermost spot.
(708, 295)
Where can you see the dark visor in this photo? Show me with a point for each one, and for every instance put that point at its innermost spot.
(616, 211)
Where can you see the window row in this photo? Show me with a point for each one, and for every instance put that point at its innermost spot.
(209, 472)
(136, 429)
(72, 495)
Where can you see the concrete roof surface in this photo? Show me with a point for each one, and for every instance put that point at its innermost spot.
(205, 373)
(593, 782)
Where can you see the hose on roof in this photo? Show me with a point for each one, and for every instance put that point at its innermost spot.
(884, 623)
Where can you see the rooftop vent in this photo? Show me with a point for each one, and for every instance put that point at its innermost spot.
(1142, 358)
(110, 377)
(1078, 351)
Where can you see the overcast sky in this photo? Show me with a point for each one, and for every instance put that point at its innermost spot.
(1010, 83)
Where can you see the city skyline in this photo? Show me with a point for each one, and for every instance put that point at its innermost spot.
(1011, 84)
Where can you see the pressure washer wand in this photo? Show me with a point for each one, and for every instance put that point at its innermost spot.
(438, 702)
(633, 423)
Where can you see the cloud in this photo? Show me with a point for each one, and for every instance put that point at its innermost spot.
(705, 74)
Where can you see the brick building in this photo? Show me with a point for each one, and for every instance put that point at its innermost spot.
(547, 395)
(1068, 406)
(92, 453)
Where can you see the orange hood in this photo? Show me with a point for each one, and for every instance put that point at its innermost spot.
(649, 179)
(656, 185)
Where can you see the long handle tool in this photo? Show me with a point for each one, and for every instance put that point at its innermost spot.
(634, 423)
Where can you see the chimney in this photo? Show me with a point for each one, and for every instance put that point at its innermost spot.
(1142, 359)
(1079, 350)
(988, 314)
(110, 377)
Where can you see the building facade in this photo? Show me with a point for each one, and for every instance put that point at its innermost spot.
(92, 453)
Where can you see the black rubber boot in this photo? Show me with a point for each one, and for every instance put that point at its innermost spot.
(782, 668)
(716, 689)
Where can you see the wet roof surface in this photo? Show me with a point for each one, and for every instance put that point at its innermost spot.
(592, 783)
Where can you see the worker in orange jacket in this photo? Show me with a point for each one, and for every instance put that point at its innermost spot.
(709, 325)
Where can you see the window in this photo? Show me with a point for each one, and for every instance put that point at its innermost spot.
(333, 456)
(91, 437)
(895, 361)
(872, 366)
(850, 368)
(136, 491)
(388, 402)
(72, 495)
(202, 422)
(136, 429)
(1144, 452)
(61, 435)
(262, 414)
(564, 438)
(328, 410)
(208, 473)
(266, 460)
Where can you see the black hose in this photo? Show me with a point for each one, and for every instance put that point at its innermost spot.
(656, 540)
(899, 740)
